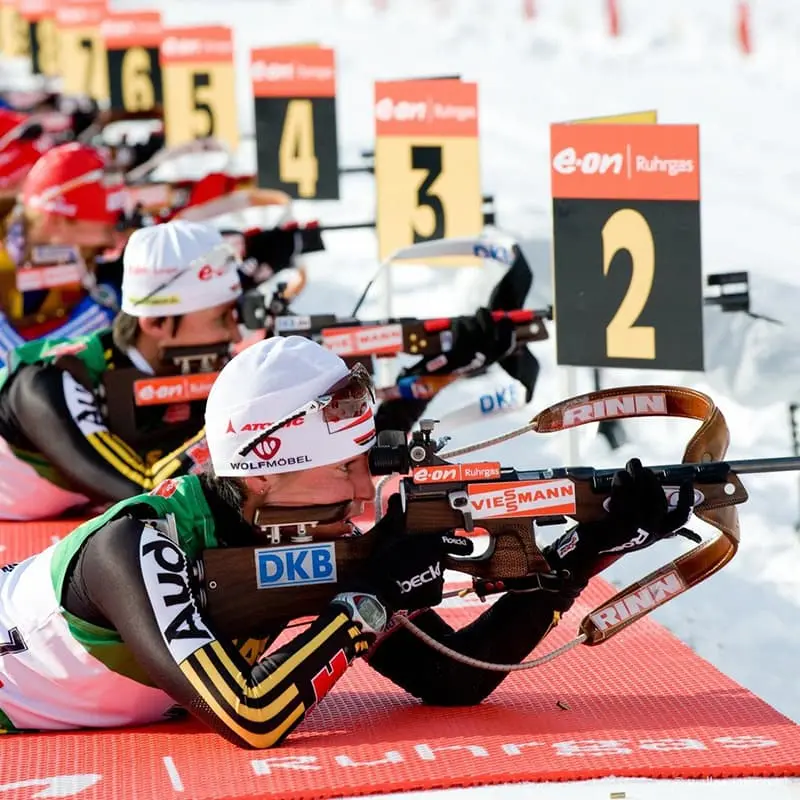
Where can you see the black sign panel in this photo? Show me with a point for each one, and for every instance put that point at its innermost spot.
(134, 79)
(298, 150)
(628, 283)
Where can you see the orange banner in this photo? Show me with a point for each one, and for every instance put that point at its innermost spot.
(426, 108)
(293, 72)
(80, 15)
(625, 162)
(123, 29)
(34, 10)
(197, 44)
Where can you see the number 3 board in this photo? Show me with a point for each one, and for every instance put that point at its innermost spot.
(427, 169)
(626, 246)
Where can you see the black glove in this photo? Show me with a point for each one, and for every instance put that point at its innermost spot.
(405, 569)
(277, 247)
(638, 516)
(478, 339)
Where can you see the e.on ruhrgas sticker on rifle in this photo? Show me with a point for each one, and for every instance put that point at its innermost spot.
(173, 389)
(624, 405)
(378, 340)
(483, 471)
(522, 499)
(625, 162)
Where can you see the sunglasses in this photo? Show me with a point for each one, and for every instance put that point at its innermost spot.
(346, 404)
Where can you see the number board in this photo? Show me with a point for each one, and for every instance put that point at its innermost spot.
(42, 35)
(15, 33)
(626, 246)
(294, 90)
(427, 167)
(132, 41)
(197, 69)
(81, 53)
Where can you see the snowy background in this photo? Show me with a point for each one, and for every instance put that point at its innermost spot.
(682, 58)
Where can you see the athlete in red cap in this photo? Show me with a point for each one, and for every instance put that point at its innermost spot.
(66, 218)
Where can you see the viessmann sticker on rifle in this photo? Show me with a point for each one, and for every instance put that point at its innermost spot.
(522, 499)
(373, 340)
(624, 405)
(487, 470)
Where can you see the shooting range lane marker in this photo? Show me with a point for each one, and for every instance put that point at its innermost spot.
(174, 775)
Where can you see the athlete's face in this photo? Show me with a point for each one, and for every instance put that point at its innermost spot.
(208, 326)
(55, 229)
(346, 482)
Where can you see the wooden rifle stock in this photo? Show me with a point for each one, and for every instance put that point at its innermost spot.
(238, 607)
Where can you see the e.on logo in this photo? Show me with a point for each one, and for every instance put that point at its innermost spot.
(522, 499)
(567, 161)
(403, 111)
(173, 389)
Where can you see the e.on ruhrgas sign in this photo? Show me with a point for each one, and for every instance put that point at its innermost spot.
(627, 271)
(625, 162)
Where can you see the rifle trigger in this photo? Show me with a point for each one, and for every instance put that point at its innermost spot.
(459, 501)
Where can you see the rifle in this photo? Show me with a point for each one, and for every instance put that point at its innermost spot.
(361, 340)
(244, 595)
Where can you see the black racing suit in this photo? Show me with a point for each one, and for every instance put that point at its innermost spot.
(51, 419)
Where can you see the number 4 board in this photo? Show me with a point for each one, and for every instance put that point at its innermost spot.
(132, 40)
(294, 90)
(427, 166)
(626, 246)
(197, 68)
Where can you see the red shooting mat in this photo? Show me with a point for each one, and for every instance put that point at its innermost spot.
(642, 705)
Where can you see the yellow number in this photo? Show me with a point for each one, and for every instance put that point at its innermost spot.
(297, 162)
(628, 230)
(47, 37)
(138, 93)
(22, 34)
(86, 45)
(203, 99)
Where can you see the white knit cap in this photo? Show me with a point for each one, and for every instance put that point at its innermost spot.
(262, 385)
(176, 268)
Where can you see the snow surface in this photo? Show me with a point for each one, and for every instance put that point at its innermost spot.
(679, 57)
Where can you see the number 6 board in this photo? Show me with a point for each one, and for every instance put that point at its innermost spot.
(427, 172)
(197, 68)
(132, 40)
(626, 246)
(294, 90)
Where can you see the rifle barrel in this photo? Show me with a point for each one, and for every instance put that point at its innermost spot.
(756, 465)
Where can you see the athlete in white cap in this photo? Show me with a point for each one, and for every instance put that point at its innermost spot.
(98, 418)
(108, 627)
